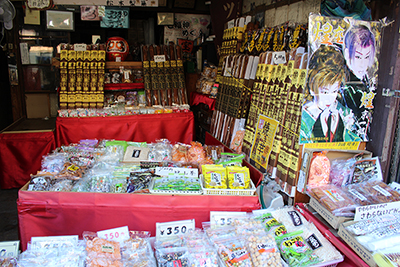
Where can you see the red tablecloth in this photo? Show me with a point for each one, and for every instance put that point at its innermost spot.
(176, 127)
(21, 155)
(196, 98)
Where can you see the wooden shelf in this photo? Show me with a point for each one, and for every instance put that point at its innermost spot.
(125, 64)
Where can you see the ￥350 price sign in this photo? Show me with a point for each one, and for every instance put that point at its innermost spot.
(174, 228)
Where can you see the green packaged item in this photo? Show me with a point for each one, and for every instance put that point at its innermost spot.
(295, 250)
(124, 144)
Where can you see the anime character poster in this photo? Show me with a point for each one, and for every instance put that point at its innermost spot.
(342, 79)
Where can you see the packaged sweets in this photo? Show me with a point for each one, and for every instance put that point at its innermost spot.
(238, 177)
(295, 250)
(233, 252)
(39, 183)
(372, 192)
(213, 152)
(381, 238)
(290, 218)
(334, 199)
(341, 171)
(170, 257)
(180, 152)
(367, 170)
(263, 250)
(319, 170)
(214, 176)
(101, 252)
(196, 152)
(369, 225)
(389, 257)
(60, 185)
(320, 246)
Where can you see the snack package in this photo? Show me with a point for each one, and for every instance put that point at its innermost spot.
(101, 252)
(389, 257)
(214, 176)
(238, 177)
(60, 185)
(39, 183)
(320, 246)
(233, 252)
(295, 250)
(137, 251)
(263, 250)
(381, 238)
(139, 182)
(170, 257)
(334, 199)
(290, 218)
(70, 171)
(160, 151)
(213, 152)
(367, 170)
(341, 171)
(180, 152)
(369, 225)
(319, 170)
(196, 152)
(54, 162)
(118, 185)
(372, 192)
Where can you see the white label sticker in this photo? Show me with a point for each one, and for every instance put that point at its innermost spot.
(279, 57)
(9, 249)
(357, 195)
(216, 178)
(174, 228)
(172, 171)
(238, 178)
(119, 234)
(159, 58)
(381, 190)
(224, 218)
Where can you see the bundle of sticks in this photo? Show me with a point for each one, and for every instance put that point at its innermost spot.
(164, 77)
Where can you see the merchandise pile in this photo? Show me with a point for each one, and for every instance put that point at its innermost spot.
(112, 166)
(342, 185)
(281, 237)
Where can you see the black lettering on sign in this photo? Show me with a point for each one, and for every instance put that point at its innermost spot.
(135, 153)
(313, 242)
(295, 218)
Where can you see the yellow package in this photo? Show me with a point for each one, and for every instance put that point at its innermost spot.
(214, 176)
(238, 177)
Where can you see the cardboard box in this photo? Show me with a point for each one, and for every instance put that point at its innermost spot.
(361, 251)
(331, 154)
(333, 220)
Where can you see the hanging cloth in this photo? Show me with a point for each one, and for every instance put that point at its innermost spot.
(346, 8)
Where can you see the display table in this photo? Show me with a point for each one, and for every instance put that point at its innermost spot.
(176, 127)
(21, 155)
(70, 213)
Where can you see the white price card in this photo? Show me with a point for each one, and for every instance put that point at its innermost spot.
(224, 218)
(166, 229)
(9, 249)
(47, 242)
(279, 57)
(371, 211)
(173, 171)
(159, 58)
(119, 234)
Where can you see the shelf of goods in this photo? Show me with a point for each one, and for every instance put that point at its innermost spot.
(44, 213)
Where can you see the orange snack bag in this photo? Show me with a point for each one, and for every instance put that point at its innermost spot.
(196, 152)
(320, 168)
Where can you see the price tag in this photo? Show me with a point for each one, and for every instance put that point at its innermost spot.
(159, 58)
(47, 242)
(174, 228)
(371, 211)
(172, 171)
(279, 57)
(9, 249)
(80, 47)
(224, 218)
(119, 234)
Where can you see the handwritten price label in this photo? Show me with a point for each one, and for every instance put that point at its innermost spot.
(119, 234)
(9, 249)
(174, 228)
(224, 218)
(159, 58)
(168, 171)
(371, 211)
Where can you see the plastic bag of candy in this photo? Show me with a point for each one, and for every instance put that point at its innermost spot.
(341, 171)
(101, 252)
(170, 257)
(160, 151)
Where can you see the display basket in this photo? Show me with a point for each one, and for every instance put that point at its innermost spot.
(172, 192)
(228, 192)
